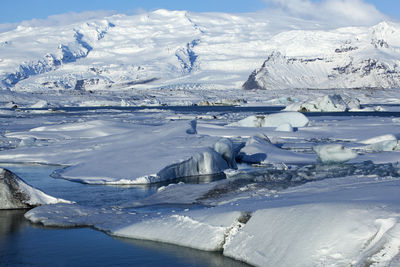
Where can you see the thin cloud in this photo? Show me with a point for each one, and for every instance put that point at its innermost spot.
(333, 12)
(68, 18)
(59, 20)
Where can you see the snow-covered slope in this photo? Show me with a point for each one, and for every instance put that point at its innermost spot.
(342, 58)
(179, 49)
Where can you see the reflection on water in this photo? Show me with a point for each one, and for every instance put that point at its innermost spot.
(25, 244)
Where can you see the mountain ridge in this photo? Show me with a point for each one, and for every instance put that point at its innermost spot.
(211, 50)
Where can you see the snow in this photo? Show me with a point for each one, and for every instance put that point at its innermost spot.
(40, 104)
(194, 55)
(295, 119)
(334, 153)
(270, 233)
(308, 191)
(260, 150)
(16, 194)
(378, 139)
(350, 220)
(87, 147)
(286, 127)
(205, 233)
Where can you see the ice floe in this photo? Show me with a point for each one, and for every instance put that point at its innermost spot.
(107, 152)
(259, 149)
(295, 119)
(334, 153)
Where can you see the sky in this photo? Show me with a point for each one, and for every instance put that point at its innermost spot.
(20, 10)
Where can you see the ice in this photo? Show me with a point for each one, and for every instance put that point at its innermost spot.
(327, 103)
(334, 153)
(226, 148)
(295, 119)
(288, 208)
(108, 152)
(29, 141)
(329, 234)
(206, 232)
(16, 194)
(260, 150)
(40, 104)
(378, 139)
(349, 220)
(389, 145)
(287, 127)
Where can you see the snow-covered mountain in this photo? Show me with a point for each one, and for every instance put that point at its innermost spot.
(179, 49)
(342, 58)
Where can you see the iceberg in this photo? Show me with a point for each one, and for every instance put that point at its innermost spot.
(16, 194)
(295, 119)
(259, 149)
(334, 153)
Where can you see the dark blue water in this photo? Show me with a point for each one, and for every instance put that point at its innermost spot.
(26, 244)
(76, 111)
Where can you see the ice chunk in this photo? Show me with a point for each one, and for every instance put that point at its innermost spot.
(389, 145)
(295, 119)
(287, 127)
(40, 104)
(29, 141)
(260, 150)
(207, 161)
(192, 128)
(225, 148)
(377, 139)
(16, 194)
(387, 142)
(334, 153)
(328, 103)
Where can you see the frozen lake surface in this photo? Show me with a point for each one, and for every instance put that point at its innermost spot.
(93, 156)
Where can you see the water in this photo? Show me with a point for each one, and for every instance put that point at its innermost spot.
(26, 244)
(22, 243)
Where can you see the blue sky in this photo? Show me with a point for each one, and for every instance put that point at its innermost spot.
(18, 10)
